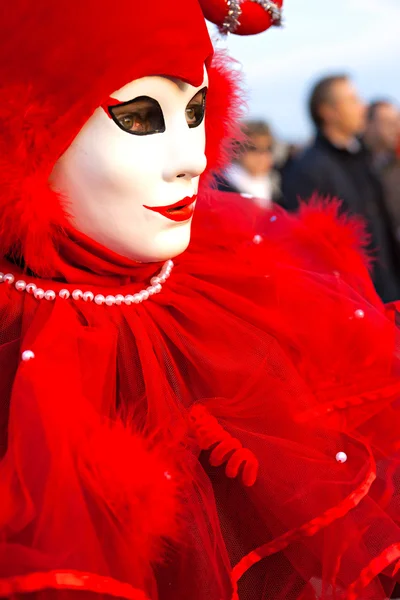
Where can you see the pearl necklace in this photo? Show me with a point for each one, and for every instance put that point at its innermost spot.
(50, 295)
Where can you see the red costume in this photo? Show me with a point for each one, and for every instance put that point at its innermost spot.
(235, 435)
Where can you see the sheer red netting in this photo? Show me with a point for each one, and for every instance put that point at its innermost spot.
(192, 446)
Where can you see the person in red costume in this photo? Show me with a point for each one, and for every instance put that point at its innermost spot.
(213, 420)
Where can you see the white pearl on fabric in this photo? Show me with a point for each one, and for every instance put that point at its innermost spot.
(30, 288)
(20, 285)
(155, 287)
(39, 294)
(341, 457)
(88, 296)
(359, 314)
(64, 294)
(257, 239)
(27, 355)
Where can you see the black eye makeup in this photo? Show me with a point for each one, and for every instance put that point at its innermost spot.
(141, 116)
(144, 115)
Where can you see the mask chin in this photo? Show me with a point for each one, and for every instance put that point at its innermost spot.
(135, 194)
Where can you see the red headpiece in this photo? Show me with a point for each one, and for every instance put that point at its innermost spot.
(59, 61)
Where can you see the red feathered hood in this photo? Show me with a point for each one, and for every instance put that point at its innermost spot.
(59, 62)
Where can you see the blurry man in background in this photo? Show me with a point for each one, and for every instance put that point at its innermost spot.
(382, 131)
(382, 137)
(253, 173)
(338, 165)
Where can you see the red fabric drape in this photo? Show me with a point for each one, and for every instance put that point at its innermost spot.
(287, 348)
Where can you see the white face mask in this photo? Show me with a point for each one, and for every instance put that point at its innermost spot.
(130, 177)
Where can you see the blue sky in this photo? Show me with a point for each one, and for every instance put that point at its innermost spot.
(360, 37)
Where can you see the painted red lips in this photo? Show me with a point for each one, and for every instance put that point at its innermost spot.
(179, 212)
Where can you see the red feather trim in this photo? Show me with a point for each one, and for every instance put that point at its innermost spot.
(225, 108)
(336, 231)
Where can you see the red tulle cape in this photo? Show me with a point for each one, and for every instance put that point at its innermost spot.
(235, 436)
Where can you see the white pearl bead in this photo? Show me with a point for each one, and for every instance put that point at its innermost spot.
(30, 288)
(20, 285)
(257, 239)
(50, 295)
(88, 296)
(155, 280)
(151, 291)
(9, 278)
(341, 457)
(144, 295)
(128, 299)
(38, 293)
(77, 294)
(1, 277)
(158, 288)
(136, 298)
(27, 355)
(359, 314)
(99, 299)
(110, 300)
(119, 299)
(64, 294)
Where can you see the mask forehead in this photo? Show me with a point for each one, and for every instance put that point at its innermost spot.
(155, 87)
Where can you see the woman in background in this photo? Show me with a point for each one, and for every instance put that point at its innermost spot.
(252, 173)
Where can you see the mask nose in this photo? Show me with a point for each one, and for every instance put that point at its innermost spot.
(185, 155)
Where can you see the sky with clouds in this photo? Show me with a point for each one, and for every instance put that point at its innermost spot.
(360, 37)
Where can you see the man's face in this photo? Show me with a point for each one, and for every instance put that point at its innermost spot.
(384, 129)
(345, 111)
(130, 178)
(257, 159)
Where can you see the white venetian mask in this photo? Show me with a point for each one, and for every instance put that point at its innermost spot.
(130, 177)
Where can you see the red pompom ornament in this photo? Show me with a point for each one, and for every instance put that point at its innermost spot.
(246, 17)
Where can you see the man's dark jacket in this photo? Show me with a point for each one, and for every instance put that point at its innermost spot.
(348, 175)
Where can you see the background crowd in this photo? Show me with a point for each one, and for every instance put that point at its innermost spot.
(354, 156)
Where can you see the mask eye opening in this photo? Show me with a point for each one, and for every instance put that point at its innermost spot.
(201, 105)
(144, 108)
